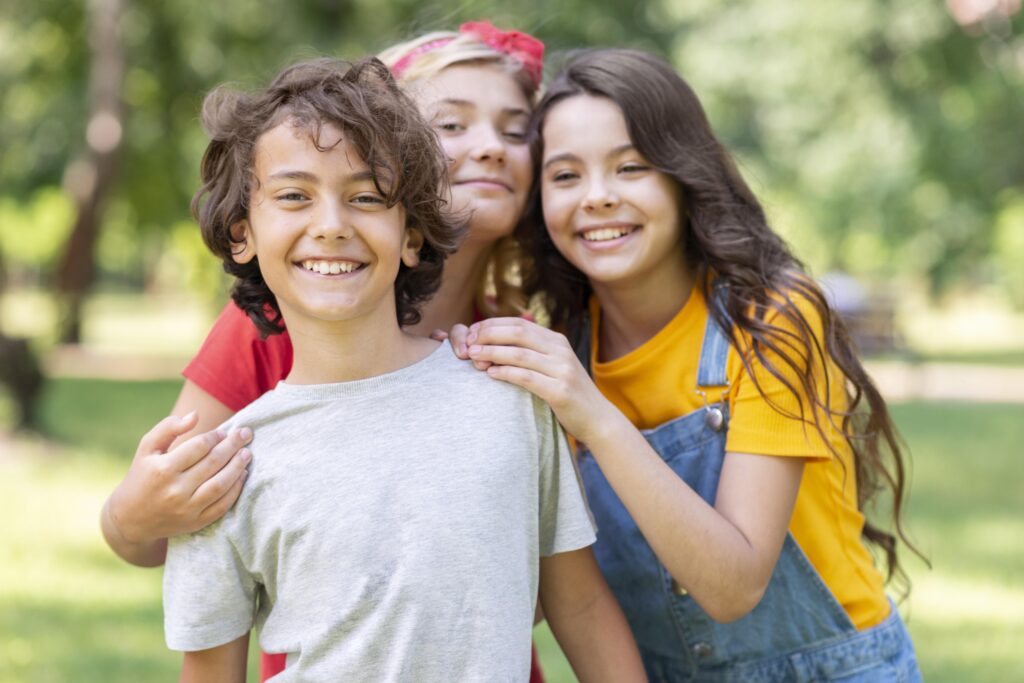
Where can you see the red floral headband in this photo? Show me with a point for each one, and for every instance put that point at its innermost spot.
(521, 47)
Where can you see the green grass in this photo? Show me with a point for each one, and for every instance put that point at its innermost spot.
(69, 610)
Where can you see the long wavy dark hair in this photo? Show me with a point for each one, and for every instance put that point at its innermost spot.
(384, 126)
(728, 242)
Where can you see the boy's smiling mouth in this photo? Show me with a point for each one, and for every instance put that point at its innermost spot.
(331, 266)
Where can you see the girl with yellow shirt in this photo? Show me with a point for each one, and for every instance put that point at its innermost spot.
(728, 435)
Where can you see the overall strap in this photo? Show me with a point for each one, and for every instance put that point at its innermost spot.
(580, 341)
(715, 351)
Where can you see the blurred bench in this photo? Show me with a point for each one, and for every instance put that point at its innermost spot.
(870, 316)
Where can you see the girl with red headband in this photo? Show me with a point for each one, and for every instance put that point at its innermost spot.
(478, 87)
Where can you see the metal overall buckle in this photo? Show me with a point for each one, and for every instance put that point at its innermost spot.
(714, 418)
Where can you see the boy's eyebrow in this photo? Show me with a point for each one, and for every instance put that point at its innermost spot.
(312, 177)
(293, 175)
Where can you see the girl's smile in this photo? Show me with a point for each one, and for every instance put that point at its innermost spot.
(608, 211)
(607, 235)
(480, 114)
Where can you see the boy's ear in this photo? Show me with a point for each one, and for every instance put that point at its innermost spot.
(243, 247)
(412, 246)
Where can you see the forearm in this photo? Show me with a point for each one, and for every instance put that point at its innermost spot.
(705, 549)
(597, 641)
(142, 554)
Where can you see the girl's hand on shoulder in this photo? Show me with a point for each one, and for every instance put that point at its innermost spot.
(543, 362)
(170, 491)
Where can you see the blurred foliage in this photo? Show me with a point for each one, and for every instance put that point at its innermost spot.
(883, 136)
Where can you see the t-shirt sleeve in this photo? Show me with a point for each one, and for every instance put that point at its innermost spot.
(767, 419)
(565, 520)
(209, 597)
(235, 365)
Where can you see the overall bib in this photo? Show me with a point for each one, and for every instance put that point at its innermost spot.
(798, 632)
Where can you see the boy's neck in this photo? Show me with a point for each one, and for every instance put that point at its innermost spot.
(325, 353)
(454, 302)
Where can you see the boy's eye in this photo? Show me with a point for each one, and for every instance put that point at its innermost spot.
(515, 135)
(633, 168)
(292, 197)
(368, 199)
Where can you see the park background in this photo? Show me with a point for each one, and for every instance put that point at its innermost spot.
(884, 138)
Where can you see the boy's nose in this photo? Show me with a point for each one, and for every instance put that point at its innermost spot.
(332, 222)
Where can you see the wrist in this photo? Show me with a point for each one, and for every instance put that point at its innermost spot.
(605, 424)
(115, 521)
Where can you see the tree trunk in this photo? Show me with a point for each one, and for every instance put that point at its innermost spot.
(89, 178)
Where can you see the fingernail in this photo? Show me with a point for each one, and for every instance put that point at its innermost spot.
(245, 434)
(475, 349)
(187, 416)
(471, 337)
(245, 454)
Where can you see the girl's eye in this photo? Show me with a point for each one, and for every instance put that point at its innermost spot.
(563, 176)
(450, 126)
(515, 135)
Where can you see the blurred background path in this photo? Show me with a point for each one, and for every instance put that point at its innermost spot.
(898, 380)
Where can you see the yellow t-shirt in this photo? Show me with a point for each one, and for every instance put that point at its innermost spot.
(656, 383)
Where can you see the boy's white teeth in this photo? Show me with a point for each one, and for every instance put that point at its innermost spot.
(604, 234)
(330, 267)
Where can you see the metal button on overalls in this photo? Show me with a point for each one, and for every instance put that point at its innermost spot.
(703, 650)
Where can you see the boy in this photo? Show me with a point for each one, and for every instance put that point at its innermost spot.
(398, 503)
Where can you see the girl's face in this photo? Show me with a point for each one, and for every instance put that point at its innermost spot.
(608, 211)
(480, 114)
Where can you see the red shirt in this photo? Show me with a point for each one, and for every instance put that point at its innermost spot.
(236, 366)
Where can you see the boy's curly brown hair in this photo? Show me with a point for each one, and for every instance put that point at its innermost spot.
(378, 119)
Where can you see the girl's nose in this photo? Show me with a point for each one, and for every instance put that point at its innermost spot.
(600, 197)
(488, 146)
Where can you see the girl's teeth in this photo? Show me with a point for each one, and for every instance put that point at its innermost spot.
(605, 234)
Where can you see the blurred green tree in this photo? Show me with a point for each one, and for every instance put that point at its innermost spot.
(883, 136)
(173, 53)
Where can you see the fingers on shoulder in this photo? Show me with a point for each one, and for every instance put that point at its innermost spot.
(162, 435)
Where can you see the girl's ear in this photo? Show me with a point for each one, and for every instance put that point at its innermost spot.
(243, 246)
(411, 247)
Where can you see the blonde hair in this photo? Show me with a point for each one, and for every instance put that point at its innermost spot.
(500, 291)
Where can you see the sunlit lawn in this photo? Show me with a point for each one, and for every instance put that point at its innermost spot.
(70, 611)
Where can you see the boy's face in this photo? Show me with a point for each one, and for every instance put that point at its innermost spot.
(329, 247)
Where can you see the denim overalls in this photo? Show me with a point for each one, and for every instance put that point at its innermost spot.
(798, 632)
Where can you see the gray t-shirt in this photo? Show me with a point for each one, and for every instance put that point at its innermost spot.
(390, 529)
